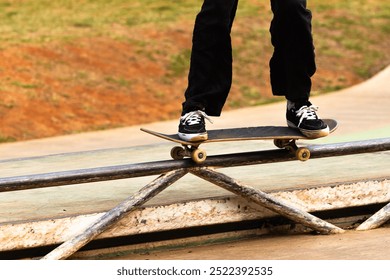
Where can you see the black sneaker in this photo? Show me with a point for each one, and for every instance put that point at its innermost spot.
(304, 117)
(192, 126)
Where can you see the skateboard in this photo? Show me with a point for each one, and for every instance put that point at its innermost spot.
(284, 137)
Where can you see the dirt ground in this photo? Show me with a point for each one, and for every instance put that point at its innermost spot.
(86, 85)
(56, 88)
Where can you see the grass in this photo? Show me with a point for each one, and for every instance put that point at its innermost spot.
(6, 139)
(179, 63)
(47, 20)
(24, 86)
(355, 25)
(357, 28)
(119, 81)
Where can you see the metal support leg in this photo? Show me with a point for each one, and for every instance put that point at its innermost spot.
(376, 220)
(267, 201)
(149, 191)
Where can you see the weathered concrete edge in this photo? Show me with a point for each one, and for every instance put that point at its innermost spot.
(211, 211)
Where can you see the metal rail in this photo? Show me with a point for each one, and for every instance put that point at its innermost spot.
(159, 167)
(109, 218)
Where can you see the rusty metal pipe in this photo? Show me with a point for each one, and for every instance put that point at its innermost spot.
(155, 168)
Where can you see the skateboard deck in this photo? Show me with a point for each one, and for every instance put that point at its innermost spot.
(283, 136)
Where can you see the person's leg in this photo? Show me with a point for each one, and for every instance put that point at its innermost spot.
(293, 64)
(293, 61)
(210, 74)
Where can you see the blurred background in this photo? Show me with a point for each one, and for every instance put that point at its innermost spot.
(70, 66)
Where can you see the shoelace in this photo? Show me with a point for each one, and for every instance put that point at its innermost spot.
(195, 117)
(308, 113)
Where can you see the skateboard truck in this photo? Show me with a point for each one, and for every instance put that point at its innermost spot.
(199, 155)
(192, 151)
(301, 153)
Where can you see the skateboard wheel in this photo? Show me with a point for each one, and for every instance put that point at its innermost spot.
(303, 154)
(177, 152)
(198, 156)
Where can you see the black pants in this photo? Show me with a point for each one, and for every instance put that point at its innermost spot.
(210, 75)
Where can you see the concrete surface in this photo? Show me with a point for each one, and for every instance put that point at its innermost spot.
(351, 245)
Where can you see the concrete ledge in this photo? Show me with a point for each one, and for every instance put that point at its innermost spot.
(210, 211)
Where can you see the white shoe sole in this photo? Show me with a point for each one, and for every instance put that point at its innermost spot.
(312, 134)
(193, 137)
